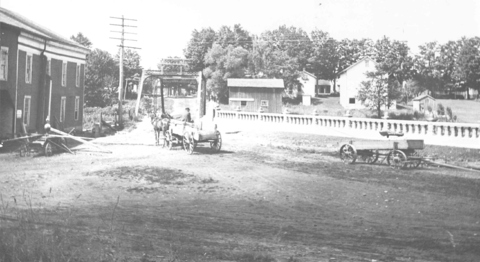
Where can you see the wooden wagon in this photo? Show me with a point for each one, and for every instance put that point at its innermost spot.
(397, 153)
(189, 135)
(23, 145)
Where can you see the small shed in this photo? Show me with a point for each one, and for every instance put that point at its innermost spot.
(323, 87)
(422, 102)
(251, 95)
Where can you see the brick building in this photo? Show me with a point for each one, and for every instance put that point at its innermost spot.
(41, 75)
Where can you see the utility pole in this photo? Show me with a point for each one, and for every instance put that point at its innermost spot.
(122, 46)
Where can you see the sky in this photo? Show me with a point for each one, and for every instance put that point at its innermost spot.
(164, 27)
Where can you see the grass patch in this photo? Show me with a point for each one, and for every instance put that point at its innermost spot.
(147, 174)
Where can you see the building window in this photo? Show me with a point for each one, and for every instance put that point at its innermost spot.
(28, 69)
(49, 67)
(4, 63)
(77, 76)
(367, 63)
(264, 103)
(63, 102)
(351, 101)
(26, 110)
(243, 103)
(64, 73)
(77, 107)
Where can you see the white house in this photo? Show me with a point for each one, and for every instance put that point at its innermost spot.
(312, 86)
(308, 81)
(350, 80)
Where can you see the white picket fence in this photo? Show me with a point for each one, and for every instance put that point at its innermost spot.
(424, 129)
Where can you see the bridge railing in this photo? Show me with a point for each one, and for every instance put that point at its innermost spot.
(419, 128)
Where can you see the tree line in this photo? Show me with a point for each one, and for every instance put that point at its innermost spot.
(102, 72)
(284, 52)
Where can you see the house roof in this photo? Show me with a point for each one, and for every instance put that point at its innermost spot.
(309, 74)
(419, 98)
(356, 63)
(257, 82)
(16, 20)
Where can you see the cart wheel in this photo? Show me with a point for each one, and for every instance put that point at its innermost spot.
(415, 163)
(48, 149)
(217, 144)
(397, 159)
(188, 144)
(348, 154)
(370, 156)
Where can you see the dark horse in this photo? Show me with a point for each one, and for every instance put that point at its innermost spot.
(160, 124)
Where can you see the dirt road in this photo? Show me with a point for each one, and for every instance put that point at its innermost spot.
(257, 200)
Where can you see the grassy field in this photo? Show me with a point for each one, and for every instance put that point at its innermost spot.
(467, 111)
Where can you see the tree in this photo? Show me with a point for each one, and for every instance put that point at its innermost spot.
(325, 56)
(379, 91)
(281, 53)
(224, 63)
(198, 46)
(82, 40)
(237, 36)
(392, 57)
(131, 63)
(100, 81)
(468, 64)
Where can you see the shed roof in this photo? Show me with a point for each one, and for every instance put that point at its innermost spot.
(16, 20)
(323, 82)
(258, 83)
(419, 98)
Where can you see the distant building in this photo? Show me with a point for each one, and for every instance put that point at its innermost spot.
(308, 82)
(40, 73)
(324, 87)
(421, 103)
(252, 94)
(312, 86)
(350, 81)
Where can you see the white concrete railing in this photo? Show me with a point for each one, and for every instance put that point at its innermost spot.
(418, 128)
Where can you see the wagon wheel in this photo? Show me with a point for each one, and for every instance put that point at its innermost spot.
(48, 149)
(188, 144)
(370, 156)
(348, 154)
(397, 159)
(217, 144)
(415, 163)
(167, 141)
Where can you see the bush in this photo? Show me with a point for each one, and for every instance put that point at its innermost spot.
(449, 113)
(403, 116)
(440, 109)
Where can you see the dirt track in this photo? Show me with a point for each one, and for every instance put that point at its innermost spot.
(254, 201)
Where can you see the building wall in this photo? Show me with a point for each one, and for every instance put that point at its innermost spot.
(253, 97)
(70, 91)
(28, 89)
(308, 85)
(350, 82)
(8, 38)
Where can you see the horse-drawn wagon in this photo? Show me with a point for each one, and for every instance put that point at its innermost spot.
(189, 135)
